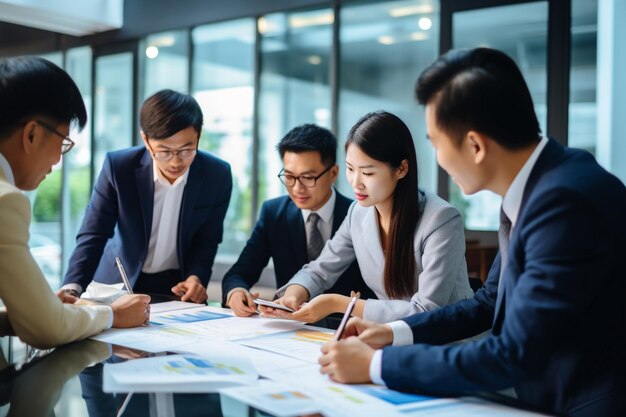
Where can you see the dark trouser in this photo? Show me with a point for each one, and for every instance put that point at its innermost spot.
(158, 284)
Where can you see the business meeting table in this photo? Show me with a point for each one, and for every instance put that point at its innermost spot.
(67, 381)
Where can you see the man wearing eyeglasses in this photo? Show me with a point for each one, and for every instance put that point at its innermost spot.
(159, 207)
(38, 103)
(292, 229)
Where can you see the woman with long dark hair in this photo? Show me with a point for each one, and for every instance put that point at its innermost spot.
(409, 244)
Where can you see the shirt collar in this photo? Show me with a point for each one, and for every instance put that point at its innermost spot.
(6, 168)
(158, 176)
(326, 211)
(512, 200)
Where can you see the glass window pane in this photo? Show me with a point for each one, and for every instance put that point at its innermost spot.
(113, 107)
(521, 31)
(295, 63)
(223, 85)
(45, 230)
(77, 162)
(165, 62)
(582, 106)
(384, 47)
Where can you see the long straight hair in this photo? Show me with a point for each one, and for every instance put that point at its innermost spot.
(384, 137)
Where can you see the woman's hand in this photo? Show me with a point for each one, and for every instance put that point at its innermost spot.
(294, 296)
(321, 306)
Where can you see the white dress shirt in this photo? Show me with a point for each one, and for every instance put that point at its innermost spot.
(511, 203)
(6, 169)
(326, 212)
(166, 212)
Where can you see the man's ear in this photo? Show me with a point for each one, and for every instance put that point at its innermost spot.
(143, 137)
(28, 136)
(476, 143)
(334, 173)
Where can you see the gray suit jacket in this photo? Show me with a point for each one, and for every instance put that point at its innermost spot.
(439, 255)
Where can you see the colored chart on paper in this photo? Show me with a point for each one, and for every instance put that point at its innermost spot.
(391, 396)
(186, 317)
(196, 366)
(299, 344)
(312, 336)
(287, 395)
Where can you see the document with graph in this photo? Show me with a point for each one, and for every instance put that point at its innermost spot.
(177, 373)
(303, 344)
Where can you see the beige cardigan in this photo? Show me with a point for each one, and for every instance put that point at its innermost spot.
(32, 311)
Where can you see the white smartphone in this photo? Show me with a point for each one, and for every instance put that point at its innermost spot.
(266, 303)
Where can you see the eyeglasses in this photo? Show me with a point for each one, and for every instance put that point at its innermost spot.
(167, 155)
(67, 143)
(306, 180)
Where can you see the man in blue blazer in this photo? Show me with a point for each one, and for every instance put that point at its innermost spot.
(553, 299)
(308, 153)
(159, 208)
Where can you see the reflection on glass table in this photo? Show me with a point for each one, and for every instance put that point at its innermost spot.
(68, 381)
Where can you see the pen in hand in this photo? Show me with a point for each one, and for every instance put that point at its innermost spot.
(346, 316)
(120, 268)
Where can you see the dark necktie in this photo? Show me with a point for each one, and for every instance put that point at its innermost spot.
(315, 241)
(504, 234)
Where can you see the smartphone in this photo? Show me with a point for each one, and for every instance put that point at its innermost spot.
(266, 303)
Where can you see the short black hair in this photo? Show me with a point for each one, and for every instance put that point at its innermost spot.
(167, 112)
(480, 89)
(33, 86)
(310, 137)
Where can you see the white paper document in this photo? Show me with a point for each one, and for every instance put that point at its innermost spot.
(168, 306)
(100, 293)
(276, 399)
(303, 344)
(266, 363)
(178, 373)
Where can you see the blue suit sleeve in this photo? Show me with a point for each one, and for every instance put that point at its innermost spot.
(205, 243)
(101, 216)
(559, 256)
(254, 257)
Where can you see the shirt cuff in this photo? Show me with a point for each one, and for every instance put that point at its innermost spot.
(110, 323)
(233, 290)
(73, 286)
(376, 368)
(402, 334)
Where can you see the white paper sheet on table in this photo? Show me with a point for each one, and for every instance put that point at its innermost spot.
(266, 363)
(168, 306)
(276, 399)
(213, 326)
(303, 344)
(178, 373)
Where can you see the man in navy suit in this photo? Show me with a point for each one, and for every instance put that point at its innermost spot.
(160, 208)
(553, 299)
(308, 153)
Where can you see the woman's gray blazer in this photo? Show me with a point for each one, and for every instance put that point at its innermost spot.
(439, 256)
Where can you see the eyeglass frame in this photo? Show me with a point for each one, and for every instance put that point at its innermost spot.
(172, 153)
(67, 143)
(281, 175)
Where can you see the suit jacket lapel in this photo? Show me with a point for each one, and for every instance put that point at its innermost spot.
(297, 234)
(145, 190)
(551, 153)
(342, 205)
(196, 178)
